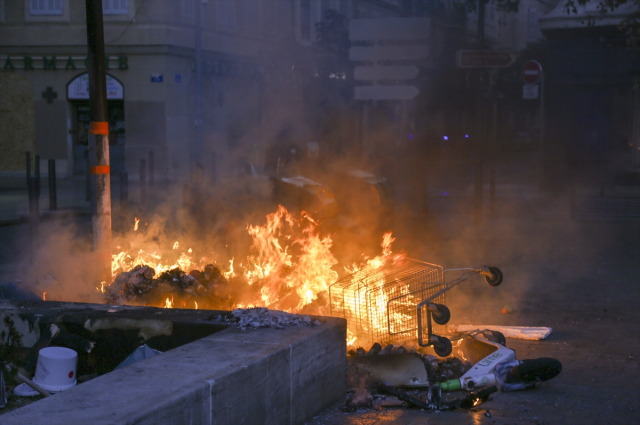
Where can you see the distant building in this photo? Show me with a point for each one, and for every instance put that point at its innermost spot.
(593, 109)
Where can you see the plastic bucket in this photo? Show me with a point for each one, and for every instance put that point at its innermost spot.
(56, 369)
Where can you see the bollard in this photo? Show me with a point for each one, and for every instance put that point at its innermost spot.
(152, 166)
(492, 192)
(143, 182)
(53, 200)
(124, 191)
(477, 201)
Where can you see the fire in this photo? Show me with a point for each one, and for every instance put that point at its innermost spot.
(135, 226)
(289, 267)
(476, 402)
(44, 295)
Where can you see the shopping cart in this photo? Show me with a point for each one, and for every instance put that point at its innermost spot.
(380, 303)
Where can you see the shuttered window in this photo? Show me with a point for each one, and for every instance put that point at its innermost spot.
(115, 7)
(45, 7)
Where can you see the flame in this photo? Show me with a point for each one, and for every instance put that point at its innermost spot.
(461, 354)
(135, 226)
(44, 295)
(230, 273)
(289, 267)
(101, 289)
(281, 274)
(476, 402)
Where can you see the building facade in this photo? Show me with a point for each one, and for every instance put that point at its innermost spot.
(150, 48)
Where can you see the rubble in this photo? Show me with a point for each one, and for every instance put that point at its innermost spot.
(262, 317)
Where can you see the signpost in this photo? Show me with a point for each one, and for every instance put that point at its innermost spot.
(387, 29)
(390, 72)
(531, 72)
(483, 59)
(385, 92)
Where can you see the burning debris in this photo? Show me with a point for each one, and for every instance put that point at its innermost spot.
(141, 286)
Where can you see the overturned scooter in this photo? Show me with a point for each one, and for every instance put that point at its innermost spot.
(495, 364)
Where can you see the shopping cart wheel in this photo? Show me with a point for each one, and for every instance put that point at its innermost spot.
(496, 336)
(496, 276)
(443, 347)
(443, 315)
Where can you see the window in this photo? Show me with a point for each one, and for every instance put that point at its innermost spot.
(45, 7)
(115, 7)
(305, 19)
(226, 13)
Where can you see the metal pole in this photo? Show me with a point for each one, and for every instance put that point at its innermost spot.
(36, 175)
(542, 125)
(481, 4)
(99, 128)
(53, 200)
(196, 155)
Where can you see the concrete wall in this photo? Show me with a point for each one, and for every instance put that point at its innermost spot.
(262, 376)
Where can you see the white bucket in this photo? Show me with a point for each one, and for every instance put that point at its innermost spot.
(56, 369)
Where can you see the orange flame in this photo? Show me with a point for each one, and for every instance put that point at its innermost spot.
(44, 295)
(168, 303)
(196, 303)
(135, 226)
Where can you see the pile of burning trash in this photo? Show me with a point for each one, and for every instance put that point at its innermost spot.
(141, 286)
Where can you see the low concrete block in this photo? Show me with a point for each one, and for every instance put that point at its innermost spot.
(261, 376)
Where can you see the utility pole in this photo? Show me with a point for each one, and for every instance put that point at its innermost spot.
(99, 134)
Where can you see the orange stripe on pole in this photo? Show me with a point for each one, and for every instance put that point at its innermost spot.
(99, 127)
(100, 169)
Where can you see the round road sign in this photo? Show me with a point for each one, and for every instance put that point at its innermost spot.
(531, 72)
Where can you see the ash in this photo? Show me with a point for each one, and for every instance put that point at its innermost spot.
(261, 317)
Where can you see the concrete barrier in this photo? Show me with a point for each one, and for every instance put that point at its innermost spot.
(260, 376)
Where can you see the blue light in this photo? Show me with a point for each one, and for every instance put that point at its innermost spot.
(410, 136)
(445, 193)
(466, 135)
(446, 138)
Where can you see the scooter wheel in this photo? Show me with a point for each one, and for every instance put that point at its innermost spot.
(538, 370)
(443, 347)
(496, 276)
(443, 315)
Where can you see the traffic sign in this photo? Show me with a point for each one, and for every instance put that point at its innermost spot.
(483, 59)
(389, 29)
(385, 92)
(530, 91)
(393, 72)
(388, 53)
(531, 72)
